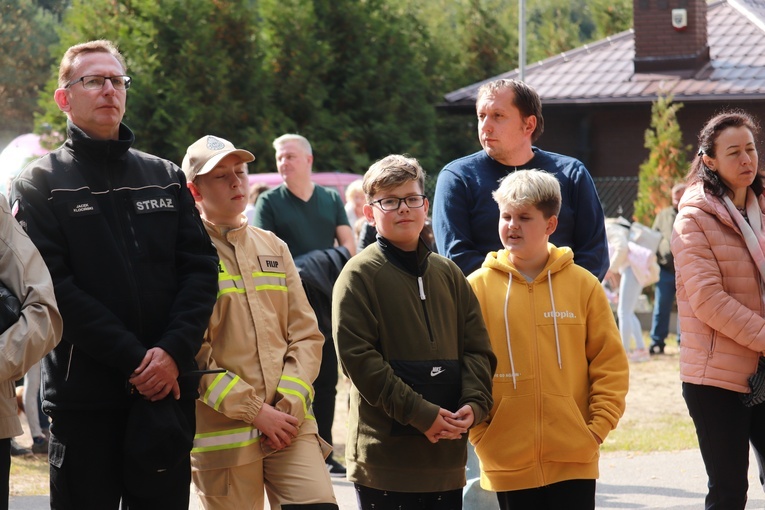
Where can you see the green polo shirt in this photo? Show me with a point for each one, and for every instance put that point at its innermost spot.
(304, 226)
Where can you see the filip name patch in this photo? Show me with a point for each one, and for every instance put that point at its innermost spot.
(272, 264)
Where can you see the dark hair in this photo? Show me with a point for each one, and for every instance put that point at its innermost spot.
(707, 137)
(525, 98)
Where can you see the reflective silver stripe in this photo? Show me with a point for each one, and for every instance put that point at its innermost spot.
(270, 281)
(225, 439)
(263, 281)
(293, 386)
(230, 284)
(219, 388)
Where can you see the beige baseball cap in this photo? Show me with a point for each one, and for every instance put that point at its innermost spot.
(205, 153)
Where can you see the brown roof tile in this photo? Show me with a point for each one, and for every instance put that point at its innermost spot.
(604, 72)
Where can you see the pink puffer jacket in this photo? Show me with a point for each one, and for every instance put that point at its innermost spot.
(718, 295)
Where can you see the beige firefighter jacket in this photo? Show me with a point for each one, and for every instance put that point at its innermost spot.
(38, 330)
(264, 333)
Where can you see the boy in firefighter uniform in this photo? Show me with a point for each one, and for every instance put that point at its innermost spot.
(255, 426)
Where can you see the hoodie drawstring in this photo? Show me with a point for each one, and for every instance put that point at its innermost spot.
(555, 318)
(507, 329)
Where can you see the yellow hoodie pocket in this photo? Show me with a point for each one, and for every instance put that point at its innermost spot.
(565, 436)
(508, 442)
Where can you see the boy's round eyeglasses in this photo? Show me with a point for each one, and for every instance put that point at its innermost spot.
(393, 203)
(97, 82)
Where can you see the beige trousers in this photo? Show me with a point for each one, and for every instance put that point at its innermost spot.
(296, 475)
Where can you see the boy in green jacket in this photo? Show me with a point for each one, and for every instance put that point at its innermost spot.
(410, 336)
(562, 373)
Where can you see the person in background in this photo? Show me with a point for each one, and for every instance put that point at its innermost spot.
(32, 409)
(354, 202)
(255, 428)
(410, 337)
(135, 276)
(562, 375)
(254, 192)
(25, 340)
(664, 291)
(621, 275)
(719, 253)
(311, 219)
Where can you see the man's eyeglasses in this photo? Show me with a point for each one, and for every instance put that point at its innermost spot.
(393, 203)
(97, 82)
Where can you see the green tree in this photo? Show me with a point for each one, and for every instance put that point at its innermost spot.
(376, 98)
(294, 63)
(555, 26)
(666, 164)
(26, 32)
(359, 78)
(194, 64)
(490, 44)
(610, 16)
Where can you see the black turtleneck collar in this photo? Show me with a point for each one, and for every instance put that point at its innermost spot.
(413, 262)
(99, 149)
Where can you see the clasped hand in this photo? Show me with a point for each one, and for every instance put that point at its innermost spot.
(449, 425)
(278, 427)
(156, 376)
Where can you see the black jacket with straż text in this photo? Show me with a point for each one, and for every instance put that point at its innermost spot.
(132, 265)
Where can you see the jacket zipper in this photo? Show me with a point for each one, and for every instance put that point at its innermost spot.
(421, 292)
(121, 235)
(538, 386)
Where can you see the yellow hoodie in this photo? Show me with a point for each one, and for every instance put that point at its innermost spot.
(562, 374)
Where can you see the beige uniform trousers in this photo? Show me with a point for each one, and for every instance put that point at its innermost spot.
(295, 475)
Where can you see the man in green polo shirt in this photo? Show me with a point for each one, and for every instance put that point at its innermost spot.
(308, 217)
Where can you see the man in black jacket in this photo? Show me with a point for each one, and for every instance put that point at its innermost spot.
(135, 278)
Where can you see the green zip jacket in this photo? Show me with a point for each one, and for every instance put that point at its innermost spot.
(409, 334)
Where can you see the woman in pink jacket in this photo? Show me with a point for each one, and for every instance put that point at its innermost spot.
(719, 245)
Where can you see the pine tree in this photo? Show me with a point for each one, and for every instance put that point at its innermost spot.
(26, 32)
(666, 164)
(194, 63)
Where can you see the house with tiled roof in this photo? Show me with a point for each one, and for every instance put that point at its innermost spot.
(597, 99)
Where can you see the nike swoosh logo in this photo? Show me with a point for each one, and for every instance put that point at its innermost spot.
(436, 371)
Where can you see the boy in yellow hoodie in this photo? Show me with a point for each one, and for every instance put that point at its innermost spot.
(255, 427)
(562, 373)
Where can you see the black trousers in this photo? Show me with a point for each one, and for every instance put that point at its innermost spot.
(86, 464)
(569, 494)
(369, 498)
(5, 472)
(325, 391)
(725, 428)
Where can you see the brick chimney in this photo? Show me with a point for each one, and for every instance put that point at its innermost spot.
(660, 47)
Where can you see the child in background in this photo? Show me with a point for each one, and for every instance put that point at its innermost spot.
(255, 426)
(562, 373)
(410, 336)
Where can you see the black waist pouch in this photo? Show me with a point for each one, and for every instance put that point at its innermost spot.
(438, 381)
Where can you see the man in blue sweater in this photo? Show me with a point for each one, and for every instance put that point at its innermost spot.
(465, 217)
